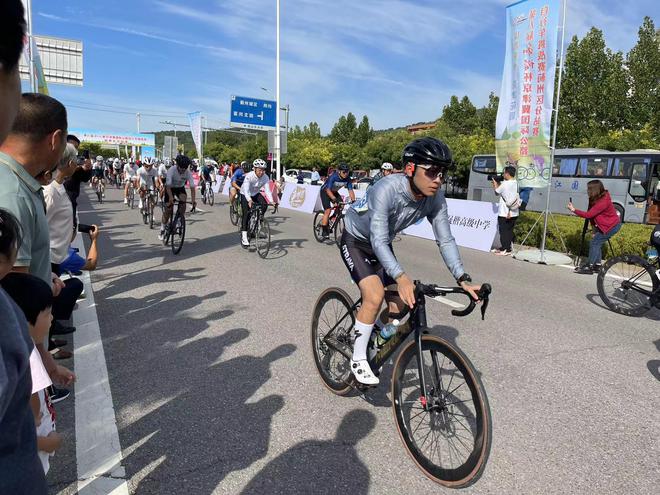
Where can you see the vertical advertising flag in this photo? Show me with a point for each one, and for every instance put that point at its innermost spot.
(40, 77)
(195, 119)
(522, 131)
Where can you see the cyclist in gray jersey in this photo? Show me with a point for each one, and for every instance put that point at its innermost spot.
(175, 187)
(390, 206)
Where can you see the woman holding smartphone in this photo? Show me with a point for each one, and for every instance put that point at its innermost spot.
(604, 219)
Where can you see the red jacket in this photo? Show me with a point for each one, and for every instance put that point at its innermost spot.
(602, 214)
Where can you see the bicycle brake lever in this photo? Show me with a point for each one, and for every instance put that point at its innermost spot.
(484, 294)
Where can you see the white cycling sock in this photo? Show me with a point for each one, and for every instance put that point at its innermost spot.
(362, 334)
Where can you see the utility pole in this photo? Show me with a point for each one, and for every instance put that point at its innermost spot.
(138, 122)
(277, 95)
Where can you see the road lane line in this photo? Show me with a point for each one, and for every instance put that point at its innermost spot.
(98, 451)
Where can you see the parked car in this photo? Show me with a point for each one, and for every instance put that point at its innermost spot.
(291, 175)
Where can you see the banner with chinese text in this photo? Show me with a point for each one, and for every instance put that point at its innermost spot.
(522, 131)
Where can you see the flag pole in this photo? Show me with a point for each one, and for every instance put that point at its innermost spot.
(554, 134)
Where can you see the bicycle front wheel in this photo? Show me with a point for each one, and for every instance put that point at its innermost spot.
(211, 197)
(178, 232)
(151, 214)
(233, 214)
(625, 284)
(339, 230)
(332, 322)
(318, 228)
(450, 438)
(263, 237)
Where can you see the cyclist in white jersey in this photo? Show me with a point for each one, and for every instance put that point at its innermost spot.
(146, 176)
(130, 171)
(251, 193)
(175, 186)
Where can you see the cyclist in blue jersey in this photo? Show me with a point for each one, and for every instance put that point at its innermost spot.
(371, 224)
(205, 177)
(236, 182)
(329, 193)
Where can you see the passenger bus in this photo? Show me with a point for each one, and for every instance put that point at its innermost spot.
(631, 177)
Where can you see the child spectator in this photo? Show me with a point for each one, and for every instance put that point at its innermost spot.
(35, 298)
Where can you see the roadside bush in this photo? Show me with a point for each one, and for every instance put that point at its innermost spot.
(631, 239)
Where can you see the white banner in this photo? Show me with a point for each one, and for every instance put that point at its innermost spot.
(473, 224)
(217, 184)
(226, 186)
(300, 197)
(195, 119)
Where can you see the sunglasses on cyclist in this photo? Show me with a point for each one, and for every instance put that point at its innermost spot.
(433, 172)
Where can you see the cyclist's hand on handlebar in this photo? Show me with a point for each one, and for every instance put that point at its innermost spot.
(406, 289)
(471, 289)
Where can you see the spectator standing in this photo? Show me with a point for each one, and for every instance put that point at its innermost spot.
(301, 177)
(34, 146)
(604, 219)
(82, 174)
(316, 177)
(508, 209)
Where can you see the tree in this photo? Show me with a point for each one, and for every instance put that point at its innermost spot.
(344, 130)
(363, 133)
(643, 63)
(594, 91)
(460, 116)
(486, 116)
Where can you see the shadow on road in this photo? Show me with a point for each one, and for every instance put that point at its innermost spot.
(595, 299)
(654, 364)
(320, 466)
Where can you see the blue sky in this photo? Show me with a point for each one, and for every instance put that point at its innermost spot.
(396, 61)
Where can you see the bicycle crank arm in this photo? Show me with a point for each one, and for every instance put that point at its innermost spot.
(335, 345)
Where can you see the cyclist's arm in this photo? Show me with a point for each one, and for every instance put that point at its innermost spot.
(379, 233)
(245, 189)
(439, 219)
(265, 183)
(351, 194)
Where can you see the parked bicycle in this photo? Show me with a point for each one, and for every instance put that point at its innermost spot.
(630, 285)
(175, 230)
(439, 402)
(259, 230)
(335, 223)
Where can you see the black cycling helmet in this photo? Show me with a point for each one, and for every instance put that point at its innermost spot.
(343, 167)
(182, 161)
(427, 151)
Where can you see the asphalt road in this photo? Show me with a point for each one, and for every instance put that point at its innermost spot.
(215, 390)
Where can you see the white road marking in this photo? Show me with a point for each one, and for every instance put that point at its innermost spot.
(448, 302)
(98, 451)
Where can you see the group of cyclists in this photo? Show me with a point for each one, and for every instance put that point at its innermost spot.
(392, 203)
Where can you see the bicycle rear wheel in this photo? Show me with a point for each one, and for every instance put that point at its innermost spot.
(333, 309)
(625, 284)
(263, 237)
(318, 228)
(178, 232)
(450, 440)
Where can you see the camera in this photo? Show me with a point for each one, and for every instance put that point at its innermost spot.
(497, 178)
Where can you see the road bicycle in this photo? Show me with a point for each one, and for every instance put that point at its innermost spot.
(236, 211)
(148, 206)
(439, 402)
(258, 229)
(335, 223)
(117, 179)
(175, 230)
(208, 197)
(629, 284)
(131, 196)
(100, 190)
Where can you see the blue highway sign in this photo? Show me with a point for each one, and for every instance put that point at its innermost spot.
(252, 113)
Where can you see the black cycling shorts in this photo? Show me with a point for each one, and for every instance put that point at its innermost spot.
(325, 199)
(359, 258)
(176, 192)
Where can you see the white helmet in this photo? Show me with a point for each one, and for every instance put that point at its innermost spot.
(116, 160)
(259, 163)
(99, 158)
(387, 166)
(147, 160)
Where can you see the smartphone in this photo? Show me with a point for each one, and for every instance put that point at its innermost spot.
(570, 200)
(85, 154)
(84, 228)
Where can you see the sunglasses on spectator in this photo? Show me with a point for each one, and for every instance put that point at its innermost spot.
(433, 172)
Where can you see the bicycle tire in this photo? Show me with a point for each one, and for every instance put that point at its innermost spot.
(625, 272)
(233, 214)
(211, 197)
(178, 232)
(151, 213)
(318, 229)
(326, 358)
(262, 237)
(338, 230)
(446, 409)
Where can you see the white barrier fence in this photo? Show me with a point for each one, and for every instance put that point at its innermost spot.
(473, 223)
